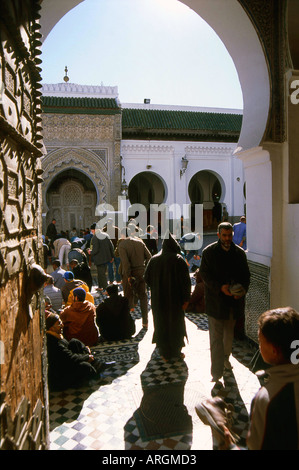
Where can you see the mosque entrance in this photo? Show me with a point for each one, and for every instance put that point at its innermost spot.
(147, 188)
(205, 188)
(71, 199)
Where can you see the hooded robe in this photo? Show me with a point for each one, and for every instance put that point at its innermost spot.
(114, 319)
(79, 321)
(168, 277)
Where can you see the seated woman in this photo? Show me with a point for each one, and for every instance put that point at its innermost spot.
(113, 316)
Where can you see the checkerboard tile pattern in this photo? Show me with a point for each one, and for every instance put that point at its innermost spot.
(100, 416)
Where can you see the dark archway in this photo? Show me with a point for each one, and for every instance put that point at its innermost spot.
(206, 188)
(71, 199)
(147, 188)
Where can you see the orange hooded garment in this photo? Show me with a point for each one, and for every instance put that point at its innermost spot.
(79, 322)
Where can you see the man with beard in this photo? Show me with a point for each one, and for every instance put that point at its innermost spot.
(226, 276)
(168, 277)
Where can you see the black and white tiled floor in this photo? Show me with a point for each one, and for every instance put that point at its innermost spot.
(102, 416)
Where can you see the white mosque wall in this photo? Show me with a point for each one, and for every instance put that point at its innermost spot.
(258, 171)
(288, 274)
(164, 158)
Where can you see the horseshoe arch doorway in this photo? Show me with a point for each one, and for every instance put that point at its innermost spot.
(206, 188)
(71, 199)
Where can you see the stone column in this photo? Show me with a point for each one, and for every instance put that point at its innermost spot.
(258, 177)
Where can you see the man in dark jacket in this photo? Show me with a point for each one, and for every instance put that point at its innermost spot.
(51, 232)
(168, 277)
(102, 253)
(81, 271)
(113, 316)
(70, 363)
(226, 276)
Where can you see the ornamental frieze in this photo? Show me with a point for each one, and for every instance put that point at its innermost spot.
(77, 128)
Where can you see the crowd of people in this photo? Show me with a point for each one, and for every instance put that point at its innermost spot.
(128, 267)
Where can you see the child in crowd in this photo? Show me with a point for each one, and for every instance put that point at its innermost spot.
(274, 423)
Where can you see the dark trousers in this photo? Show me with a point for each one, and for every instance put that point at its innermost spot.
(138, 292)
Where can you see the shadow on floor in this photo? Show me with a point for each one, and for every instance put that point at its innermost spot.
(65, 406)
(162, 413)
(244, 352)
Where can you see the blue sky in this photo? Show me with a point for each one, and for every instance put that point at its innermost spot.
(157, 49)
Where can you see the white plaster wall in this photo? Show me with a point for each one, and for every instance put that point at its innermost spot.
(237, 187)
(218, 158)
(289, 274)
(139, 154)
(258, 172)
(165, 158)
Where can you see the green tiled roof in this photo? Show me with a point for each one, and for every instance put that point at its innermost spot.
(156, 119)
(203, 125)
(153, 123)
(67, 105)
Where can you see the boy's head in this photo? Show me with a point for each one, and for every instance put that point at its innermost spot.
(80, 294)
(112, 289)
(278, 328)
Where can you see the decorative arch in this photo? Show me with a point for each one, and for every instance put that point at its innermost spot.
(81, 160)
(71, 200)
(146, 188)
(208, 188)
(234, 27)
(196, 179)
(236, 30)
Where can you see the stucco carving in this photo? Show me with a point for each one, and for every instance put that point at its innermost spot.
(143, 148)
(79, 128)
(80, 159)
(209, 150)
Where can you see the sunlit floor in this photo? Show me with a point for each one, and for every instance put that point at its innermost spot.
(143, 403)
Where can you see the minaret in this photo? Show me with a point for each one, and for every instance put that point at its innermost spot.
(66, 78)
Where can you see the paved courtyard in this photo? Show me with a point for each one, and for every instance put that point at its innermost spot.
(143, 403)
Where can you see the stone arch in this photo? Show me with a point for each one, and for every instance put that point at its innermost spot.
(208, 188)
(212, 179)
(82, 160)
(71, 200)
(240, 37)
(147, 188)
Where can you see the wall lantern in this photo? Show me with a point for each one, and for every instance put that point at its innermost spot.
(124, 188)
(184, 162)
